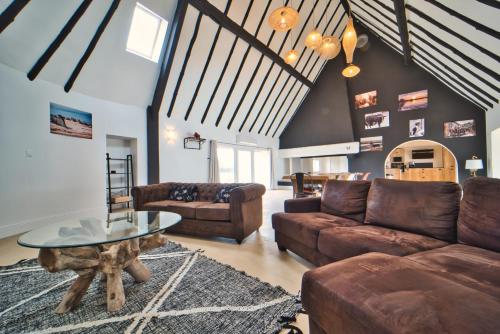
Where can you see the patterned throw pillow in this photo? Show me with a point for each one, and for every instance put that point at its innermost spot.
(223, 194)
(184, 193)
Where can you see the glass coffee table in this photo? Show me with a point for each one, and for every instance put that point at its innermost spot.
(109, 244)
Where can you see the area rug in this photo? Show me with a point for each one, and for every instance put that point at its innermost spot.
(187, 293)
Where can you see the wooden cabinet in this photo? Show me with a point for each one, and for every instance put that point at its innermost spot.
(423, 174)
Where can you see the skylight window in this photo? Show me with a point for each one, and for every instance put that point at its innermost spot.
(146, 33)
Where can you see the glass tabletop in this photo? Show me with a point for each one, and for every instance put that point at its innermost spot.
(111, 227)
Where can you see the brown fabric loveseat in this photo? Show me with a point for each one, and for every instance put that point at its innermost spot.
(237, 219)
(450, 289)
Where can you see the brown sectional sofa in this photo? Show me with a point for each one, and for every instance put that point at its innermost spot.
(422, 261)
(237, 219)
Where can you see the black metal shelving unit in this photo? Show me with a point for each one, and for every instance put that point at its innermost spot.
(119, 194)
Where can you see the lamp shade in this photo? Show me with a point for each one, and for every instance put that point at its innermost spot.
(329, 48)
(291, 56)
(284, 19)
(351, 71)
(349, 40)
(313, 39)
(474, 164)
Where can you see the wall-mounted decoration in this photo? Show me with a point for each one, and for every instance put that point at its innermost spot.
(417, 128)
(371, 144)
(364, 100)
(70, 122)
(413, 100)
(377, 120)
(194, 142)
(459, 129)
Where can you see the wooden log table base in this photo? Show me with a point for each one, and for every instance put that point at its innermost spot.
(109, 259)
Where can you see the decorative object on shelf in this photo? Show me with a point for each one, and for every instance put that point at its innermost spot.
(413, 100)
(474, 164)
(459, 129)
(291, 56)
(70, 122)
(349, 41)
(194, 142)
(329, 48)
(364, 100)
(284, 18)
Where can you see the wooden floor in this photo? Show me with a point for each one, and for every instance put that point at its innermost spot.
(257, 255)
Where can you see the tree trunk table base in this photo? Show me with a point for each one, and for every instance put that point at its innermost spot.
(108, 259)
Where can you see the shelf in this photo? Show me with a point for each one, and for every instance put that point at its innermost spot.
(193, 143)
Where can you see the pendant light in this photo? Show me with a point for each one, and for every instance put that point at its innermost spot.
(292, 55)
(329, 48)
(349, 41)
(284, 18)
(314, 38)
(351, 71)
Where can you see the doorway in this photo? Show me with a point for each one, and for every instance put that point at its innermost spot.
(421, 160)
(495, 153)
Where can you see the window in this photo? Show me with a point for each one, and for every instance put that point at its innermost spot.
(146, 34)
(316, 166)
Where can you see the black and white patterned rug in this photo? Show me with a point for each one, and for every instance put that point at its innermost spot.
(187, 293)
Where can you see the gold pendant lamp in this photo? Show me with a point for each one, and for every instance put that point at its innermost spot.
(314, 38)
(292, 55)
(330, 47)
(349, 41)
(284, 18)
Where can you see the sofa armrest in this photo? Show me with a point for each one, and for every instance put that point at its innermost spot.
(306, 204)
(149, 193)
(247, 192)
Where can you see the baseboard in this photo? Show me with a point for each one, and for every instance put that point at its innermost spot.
(28, 225)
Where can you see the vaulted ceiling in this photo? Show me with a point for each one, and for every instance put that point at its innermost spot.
(235, 79)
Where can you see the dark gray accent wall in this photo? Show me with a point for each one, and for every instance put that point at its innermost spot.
(324, 117)
(382, 69)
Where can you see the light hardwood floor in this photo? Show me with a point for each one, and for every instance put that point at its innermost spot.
(257, 255)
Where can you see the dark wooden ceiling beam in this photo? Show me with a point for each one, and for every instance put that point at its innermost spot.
(382, 35)
(345, 5)
(400, 11)
(207, 62)
(492, 3)
(375, 9)
(226, 64)
(92, 45)
(467, 69)
(68, 27)
(280, 107)
(210, 10)
(9, 14)
(452, 32)
(476, 25)
(290, 106)
(459, 53)
(184, 64)
(275, 100)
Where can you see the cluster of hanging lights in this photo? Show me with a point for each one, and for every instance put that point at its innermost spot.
(286, 18)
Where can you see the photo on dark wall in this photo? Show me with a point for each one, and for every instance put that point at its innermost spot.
(371, 144)
(417, 128)
(459, 129)
(364, 100)
(70, 122)
(377, 120)
(413, 100)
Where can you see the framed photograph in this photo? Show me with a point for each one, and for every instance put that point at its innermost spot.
(377, 120)
(413, 100)
(371, 144)
(364, 100)
(417, 128)
(70, 122)
(459, 129)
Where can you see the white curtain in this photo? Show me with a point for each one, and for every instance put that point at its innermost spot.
(213, 167)
(273, 180)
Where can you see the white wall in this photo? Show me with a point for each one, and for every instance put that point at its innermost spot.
(64, 176)
(493, 123)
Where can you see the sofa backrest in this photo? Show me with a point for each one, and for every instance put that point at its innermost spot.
(207, 191)
(479, 219)
(427, 208)
(345, 199)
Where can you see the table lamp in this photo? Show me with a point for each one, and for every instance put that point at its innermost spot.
(474, 165)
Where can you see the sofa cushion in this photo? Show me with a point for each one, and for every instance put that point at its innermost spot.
(185, 209)
(345, 199)
(479, 219)
(214, 211)
(223, 195)
(184, 192)
(473, 267)
(305, 227)
(428, 208)
(342, 243)
(379, 293)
